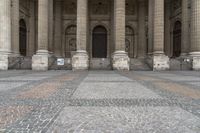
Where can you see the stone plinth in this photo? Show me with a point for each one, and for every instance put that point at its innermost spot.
(40, 61)
(121, 61)
(3, 61)
(160, 62)
(195, 61)
(80, 61)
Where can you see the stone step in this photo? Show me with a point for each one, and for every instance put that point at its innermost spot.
(139, 65)
(100, 64)
(20, 63)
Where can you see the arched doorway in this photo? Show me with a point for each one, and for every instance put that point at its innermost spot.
(70, 40)
(99, 42)
(177, 39)
(22, 37)
(129, 48)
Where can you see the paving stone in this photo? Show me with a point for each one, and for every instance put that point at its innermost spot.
(99, 101)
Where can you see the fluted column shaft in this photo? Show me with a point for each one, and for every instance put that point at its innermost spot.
(119, 25)
(5, 26)
(15, 26)
(185, 28)
(82, 18)
(158, 35)
(195, 26)
(43, 24)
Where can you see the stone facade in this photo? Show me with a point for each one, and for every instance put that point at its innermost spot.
(106, 34)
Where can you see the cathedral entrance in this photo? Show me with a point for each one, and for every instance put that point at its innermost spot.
(99, 58)
(22, 38)
(99, 42)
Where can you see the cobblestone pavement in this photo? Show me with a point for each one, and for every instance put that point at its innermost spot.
(100, 102)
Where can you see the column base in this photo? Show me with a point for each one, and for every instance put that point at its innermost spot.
(121, 61)
(80, 61)
(40, 61)
(195, 61)
(160, 62)
(4, 61)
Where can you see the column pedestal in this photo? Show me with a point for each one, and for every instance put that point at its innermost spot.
(4, 61)
(80, 60)
(121, 61)
(40, 61)
(160, 62)
(195, 61)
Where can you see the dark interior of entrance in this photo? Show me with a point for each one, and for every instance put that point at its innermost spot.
(22, 38)
(99, 42)
(177, 39)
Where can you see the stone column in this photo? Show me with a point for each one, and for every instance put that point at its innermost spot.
(120, 60)
(185, 28)
(150, 27)
(80, 61)
(5, 33)
(160, 60)
(195, 33)
(141, 30)
(15, 27)
(40, 60)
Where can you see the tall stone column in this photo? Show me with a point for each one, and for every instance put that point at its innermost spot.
(120, 60)
(185, 28)
(160, 60)
(5, 33)
(15, 27)
(195, 33)
(80, 61)
(40, 60)
(142, 47)
(150, 26)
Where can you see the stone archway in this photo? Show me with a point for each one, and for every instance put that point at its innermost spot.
(22, 38)
(99, 42)
(70, 40)
(177, 39)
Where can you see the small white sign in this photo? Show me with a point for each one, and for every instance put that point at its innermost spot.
(60, 62)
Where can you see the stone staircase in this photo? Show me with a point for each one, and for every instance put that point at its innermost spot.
(66, 66)
(23, 63)
(100, 64)
(140, 65)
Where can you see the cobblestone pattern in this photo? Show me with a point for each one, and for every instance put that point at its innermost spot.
(100, 101)
(46, 97)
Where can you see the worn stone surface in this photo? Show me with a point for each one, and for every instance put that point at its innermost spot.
(99, 101)
(80, 61)
(160, 63)
(196, 63)
(121, 61)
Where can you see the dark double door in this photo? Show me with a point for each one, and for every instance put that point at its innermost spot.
(22, 37)
(99, 42)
